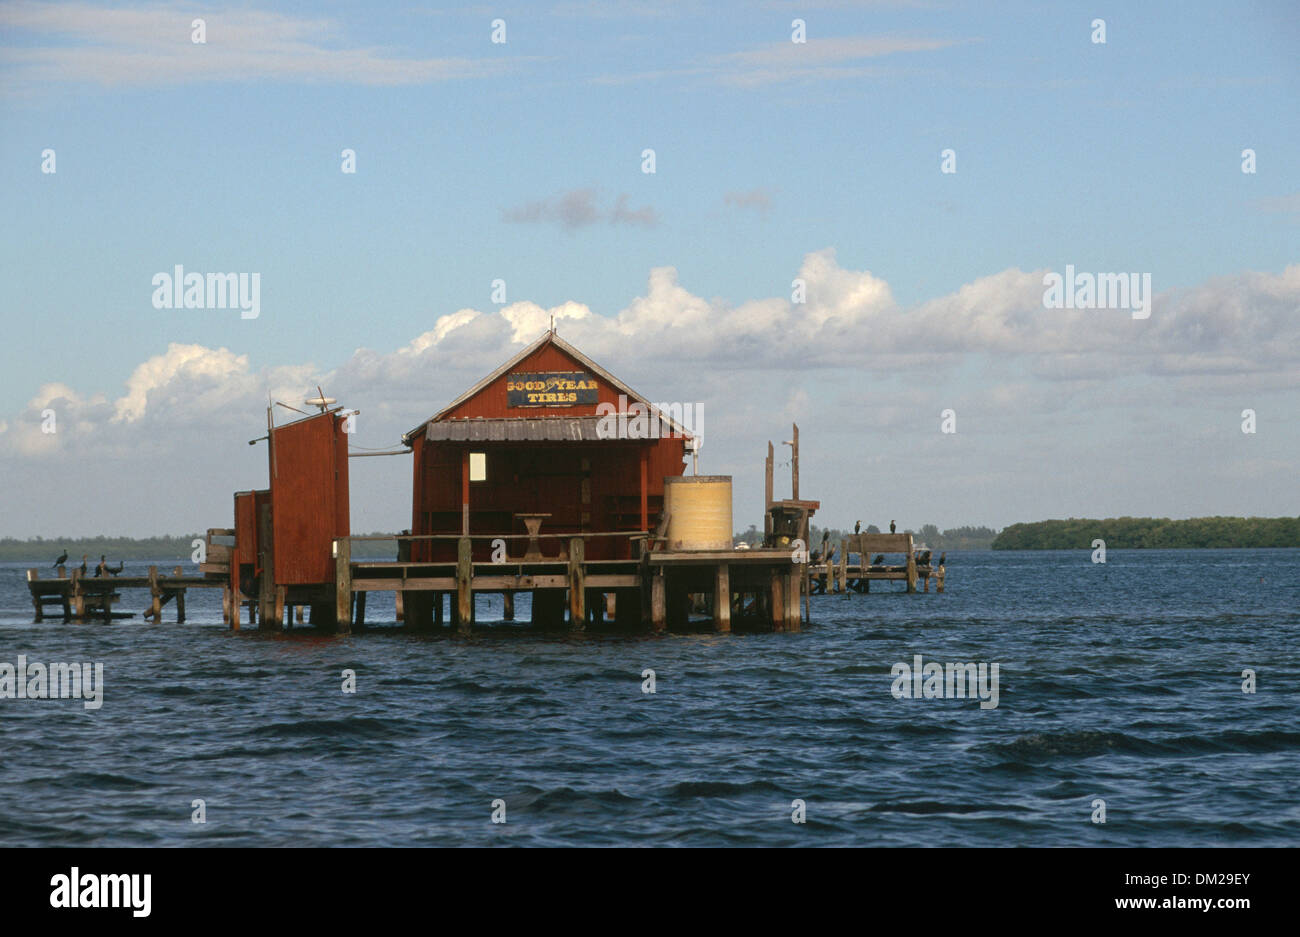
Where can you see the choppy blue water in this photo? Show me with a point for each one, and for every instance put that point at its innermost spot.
(1121, 682)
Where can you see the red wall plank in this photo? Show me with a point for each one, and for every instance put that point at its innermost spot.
(309, 495)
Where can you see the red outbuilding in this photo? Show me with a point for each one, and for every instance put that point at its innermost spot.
(550, 437)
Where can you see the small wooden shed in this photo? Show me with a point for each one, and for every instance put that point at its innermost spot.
(542, 436)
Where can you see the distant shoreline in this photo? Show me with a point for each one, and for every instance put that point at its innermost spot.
(1153, 533)
(167, 548)
(1119, 533)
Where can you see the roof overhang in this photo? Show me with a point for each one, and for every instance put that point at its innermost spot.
(656, 415)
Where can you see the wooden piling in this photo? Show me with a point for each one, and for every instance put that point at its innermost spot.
(32, 575)
(722, 599)
(508, 606)
(844, 567)
(464, 585)
(343, 584)
(911, 566)
(155, 609)
(360, 598)
(776, 587)
(577, 585)
(267, 619)
(792, 615)
(659, 600)
(78, 597)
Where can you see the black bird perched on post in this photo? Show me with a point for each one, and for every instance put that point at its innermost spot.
(878, 559)
(941, 556)
(83, 564)
(892, 528)
(857, 527)
(121, 565)
(63, 558)
(99, 570)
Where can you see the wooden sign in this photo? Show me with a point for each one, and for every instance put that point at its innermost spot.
(550, 389)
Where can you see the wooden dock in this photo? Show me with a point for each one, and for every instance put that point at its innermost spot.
(753, 588)
(839, 575)
(88, 598)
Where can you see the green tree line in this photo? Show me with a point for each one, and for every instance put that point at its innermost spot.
(1137, 533)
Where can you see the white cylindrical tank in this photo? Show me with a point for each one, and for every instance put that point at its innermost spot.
(699, 512)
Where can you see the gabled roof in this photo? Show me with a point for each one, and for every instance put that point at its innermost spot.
(548, 338)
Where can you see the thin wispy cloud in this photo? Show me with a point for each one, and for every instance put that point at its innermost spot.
(1284, 204)
(814, 60)
(153, 44)
(580, 208)
(759, 199)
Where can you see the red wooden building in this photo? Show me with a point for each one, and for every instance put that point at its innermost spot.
(284, 535)
(541, 435)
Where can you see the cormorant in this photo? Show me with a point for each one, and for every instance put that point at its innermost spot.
(99, 570)
(121, 564)
(878, 559)
(892, 528)
(941, 556)
(63, 558)
(83, 564)
(857, 527)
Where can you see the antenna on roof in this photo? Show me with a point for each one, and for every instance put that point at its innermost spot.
(321, 401)
(552, 323)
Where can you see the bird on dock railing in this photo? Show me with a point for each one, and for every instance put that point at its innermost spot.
(121, 565)
(878, 559)
(892, 527)
(83, 564)
(99, 570)
(857, 527)
(63, 558)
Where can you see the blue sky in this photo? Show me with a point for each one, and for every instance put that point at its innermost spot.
(522, 161)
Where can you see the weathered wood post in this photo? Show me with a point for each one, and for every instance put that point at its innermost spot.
(577, 585)
(464, 585)
(343, 584)
(155, 593)
(508, 606)
(911, 565)
(267, 620)
(844, 567)
(78, 596)
(939, 582)
(722, 599)
(779, 603)
(659, 600)
(32, 576)
(361, 608)
(794, 579)
(767, 495)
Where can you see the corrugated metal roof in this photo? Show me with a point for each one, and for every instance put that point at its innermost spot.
(515, 429)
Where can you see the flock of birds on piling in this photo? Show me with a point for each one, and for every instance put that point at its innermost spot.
(922, 556)
(100, 569)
